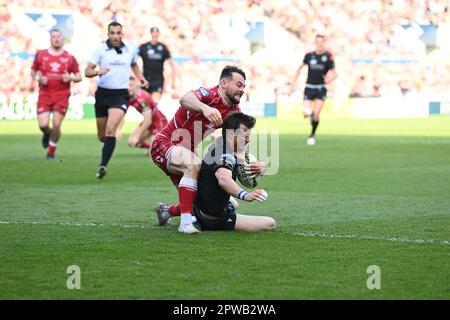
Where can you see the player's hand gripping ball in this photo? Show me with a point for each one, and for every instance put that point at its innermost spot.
(244, 175)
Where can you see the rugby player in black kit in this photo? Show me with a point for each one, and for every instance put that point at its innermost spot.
(321, 71)
(217, 181)
(154, 54)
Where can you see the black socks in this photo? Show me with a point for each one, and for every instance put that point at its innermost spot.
(314, 125)
(108, 149)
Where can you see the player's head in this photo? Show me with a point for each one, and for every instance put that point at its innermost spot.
(56, 39)
(319, 41)
(132, 86)
(232, 82)
(154, 31)
(115, 33)
(236, 129)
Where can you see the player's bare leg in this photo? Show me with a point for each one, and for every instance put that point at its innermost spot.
(55, 134)
(43, 123)
(183, 162)
(101, 127)
(307, 108)
(254, 223)
(318, 105)
(119, 134)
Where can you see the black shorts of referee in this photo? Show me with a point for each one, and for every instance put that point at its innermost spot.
(227, 221)
(110, 98)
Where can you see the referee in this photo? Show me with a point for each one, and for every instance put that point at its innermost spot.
(114, 59)
(154, 54)
(321, 71)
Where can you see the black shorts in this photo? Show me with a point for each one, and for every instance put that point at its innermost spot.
(316, 93)
(110, 98)
(155, 86)
(226, 222)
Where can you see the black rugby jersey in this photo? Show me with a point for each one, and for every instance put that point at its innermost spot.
(318, 66)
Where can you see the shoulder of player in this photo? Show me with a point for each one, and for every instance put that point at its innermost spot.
(144, 95)
(144, 45)
(69, 55)
(164, 45)
(329, 54)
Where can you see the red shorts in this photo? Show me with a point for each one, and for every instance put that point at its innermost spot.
(55, 101)
(160, 152)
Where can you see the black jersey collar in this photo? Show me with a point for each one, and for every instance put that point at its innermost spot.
(118, 49)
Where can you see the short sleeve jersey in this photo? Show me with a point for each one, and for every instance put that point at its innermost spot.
(318, 66)
(153, 58)
(194, 123)
(53, 67)
(211, 198)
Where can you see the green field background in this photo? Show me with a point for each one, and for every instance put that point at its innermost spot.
(365, 185)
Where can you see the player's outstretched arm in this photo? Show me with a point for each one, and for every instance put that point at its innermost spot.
(226, 182)
(190, 102)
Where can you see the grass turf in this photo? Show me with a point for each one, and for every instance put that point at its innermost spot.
(373, 182)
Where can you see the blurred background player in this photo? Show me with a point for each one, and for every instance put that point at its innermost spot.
(321, 71)
(114, 59)
(154, 120)
(174, 149)
(217, 183)
(54, 69)
(154, 54)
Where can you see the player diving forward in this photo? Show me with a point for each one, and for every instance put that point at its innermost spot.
(174, 149)
(217, 182)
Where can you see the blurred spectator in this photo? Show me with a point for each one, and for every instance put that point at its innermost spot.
(371, 29)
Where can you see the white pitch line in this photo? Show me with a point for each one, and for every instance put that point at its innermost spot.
(78, 224)
(366, 237)
(300, 234)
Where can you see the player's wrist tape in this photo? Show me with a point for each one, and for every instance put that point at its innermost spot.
(242, 194)
(72, 77)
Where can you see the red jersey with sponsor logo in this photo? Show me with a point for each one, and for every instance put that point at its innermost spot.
(194, 122)
(53, 66)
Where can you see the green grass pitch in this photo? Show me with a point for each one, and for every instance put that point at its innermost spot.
(371, 192)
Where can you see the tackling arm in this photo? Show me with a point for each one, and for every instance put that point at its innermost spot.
(190, 102)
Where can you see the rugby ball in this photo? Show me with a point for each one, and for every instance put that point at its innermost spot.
(244, 178)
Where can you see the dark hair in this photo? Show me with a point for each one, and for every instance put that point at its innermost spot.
(320, 36)
(154, 29)
(228, 71)
(55, 30)
(235, 119)
(114, 24)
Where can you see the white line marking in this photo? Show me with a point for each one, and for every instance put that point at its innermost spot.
(78, 224)
(366, 237)
(300, 234)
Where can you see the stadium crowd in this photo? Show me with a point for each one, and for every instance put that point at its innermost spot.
(361, 34)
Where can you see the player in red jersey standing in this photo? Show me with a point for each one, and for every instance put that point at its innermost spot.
(54, 69)
(174, 149)
(154, 120)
